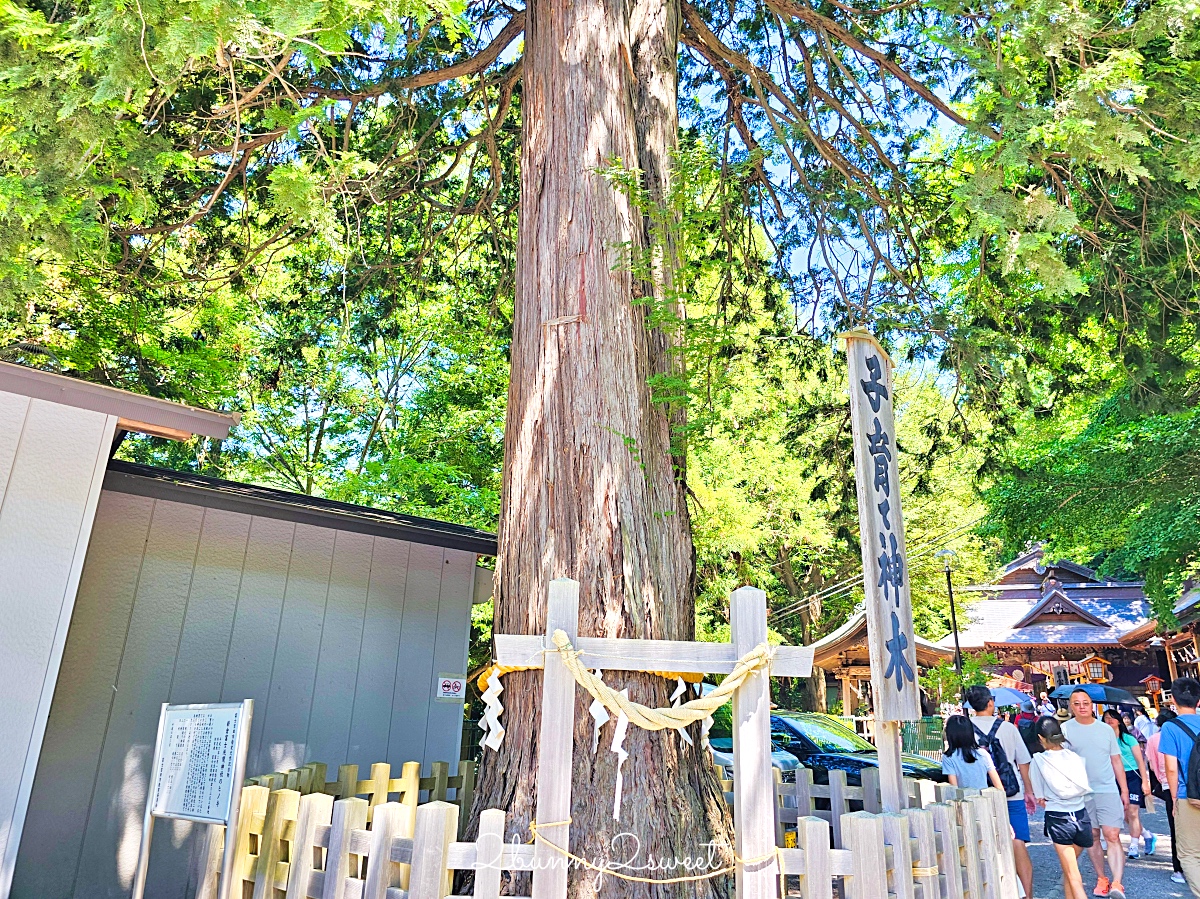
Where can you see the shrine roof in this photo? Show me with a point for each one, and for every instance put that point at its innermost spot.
(994, 621)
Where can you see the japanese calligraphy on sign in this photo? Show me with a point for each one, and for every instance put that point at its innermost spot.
(195, 765)
(885, 569)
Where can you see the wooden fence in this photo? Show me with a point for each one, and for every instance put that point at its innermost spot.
(315, 847)
(944, 845)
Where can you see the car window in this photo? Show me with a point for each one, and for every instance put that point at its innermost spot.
(829, 736)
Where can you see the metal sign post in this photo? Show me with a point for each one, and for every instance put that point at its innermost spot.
(199, 765)
(890, 638)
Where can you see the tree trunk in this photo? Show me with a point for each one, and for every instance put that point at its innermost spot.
(591, 490)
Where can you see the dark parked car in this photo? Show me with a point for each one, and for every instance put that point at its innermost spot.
(824, 744)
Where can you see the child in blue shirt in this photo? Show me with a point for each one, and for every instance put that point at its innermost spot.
(967, 765)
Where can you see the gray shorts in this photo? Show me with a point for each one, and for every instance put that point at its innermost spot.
(1105, 810)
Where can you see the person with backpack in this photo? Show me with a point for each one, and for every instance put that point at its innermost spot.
(966, 765)
(1011, 757)
(1180, 747)
(1096, 743)
(1158, 786)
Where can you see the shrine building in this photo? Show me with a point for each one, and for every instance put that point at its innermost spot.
(1056, 623)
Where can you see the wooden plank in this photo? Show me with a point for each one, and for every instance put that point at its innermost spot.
(754, 794)
(293, 673)
(990, 851)
(375, 699)
(328, 734)
(812, 836)
(408, 786)
(46, 514)
(437, 823)
(437, 785)
(870, 791)
(892, 795)
(896, 835)
(382, 872)
(636, 655)
(348, 815)
(555, 748)
(251, 813)
(62, 789)
(926, 856)
(894, 693)
(951, 875)
(1005, 856)
(211, 605)
(490, 854)
(376, 787)
(868, 879)
(838, 806)
(256, 625)
(282, 806)
(464, 794)
(414, 664)
(802, 791)
(969, 835)
(314, 810)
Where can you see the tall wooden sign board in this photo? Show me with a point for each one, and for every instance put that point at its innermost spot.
(885, 562)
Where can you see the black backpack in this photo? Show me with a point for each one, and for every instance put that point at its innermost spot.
(1193, 765)
(1008, 776)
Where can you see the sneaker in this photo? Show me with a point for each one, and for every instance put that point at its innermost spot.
(1102, 884)
(1177, 877)
(1151, 843)
(1133, 850)
(1116, 891)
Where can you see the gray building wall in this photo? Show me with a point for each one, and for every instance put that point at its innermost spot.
(336, 635)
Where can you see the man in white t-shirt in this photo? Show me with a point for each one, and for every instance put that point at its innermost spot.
(983, 715)
(1096, 743)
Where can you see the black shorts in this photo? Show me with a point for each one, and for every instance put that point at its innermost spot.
(1137, 796)
(1070, 828)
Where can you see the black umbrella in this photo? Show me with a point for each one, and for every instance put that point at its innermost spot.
(1099, 693)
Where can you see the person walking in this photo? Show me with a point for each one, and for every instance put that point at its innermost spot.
(1158, 786)
(1180, 738)
(1143, 725)
(1011, 757)
(1059, 782)
(1096, 744)
(1138, 780)
(1047, 706)
(967, 765)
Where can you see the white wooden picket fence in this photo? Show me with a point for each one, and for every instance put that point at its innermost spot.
(946, 845)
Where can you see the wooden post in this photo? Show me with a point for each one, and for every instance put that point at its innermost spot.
(838, 805)
(777, 789)
(437, 824)
(754, 793)
(489, 854)
(555, 747)
(803, 792)
(1008, 862)
(315, 810)
(890, 637)
(254, 805)
(945, 823)
(438, 783)
(348, 815)
(464, 795)
(382, 872)
(346, 785)
(870, 787)
(376, 787)
(812, 835)
(970, 837)
(921, 823)
(895, 834)
(868, 861)
(281, 808)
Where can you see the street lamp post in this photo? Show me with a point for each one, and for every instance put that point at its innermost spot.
(946, 555)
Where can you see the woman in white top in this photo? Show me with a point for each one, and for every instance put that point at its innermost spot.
(1059, 783)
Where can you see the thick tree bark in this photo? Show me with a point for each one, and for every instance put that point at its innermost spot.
(591, 490)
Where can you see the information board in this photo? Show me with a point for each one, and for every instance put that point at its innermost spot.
(199, 764)
(198, 749)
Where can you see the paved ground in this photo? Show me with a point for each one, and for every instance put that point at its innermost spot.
(1146, 878)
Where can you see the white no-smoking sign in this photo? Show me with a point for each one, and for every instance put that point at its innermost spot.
(450, 687)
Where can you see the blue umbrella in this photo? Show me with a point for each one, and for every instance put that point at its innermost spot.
(1008, 696)
(1098, 692)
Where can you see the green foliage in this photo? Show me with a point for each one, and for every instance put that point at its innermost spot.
(943, 680)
